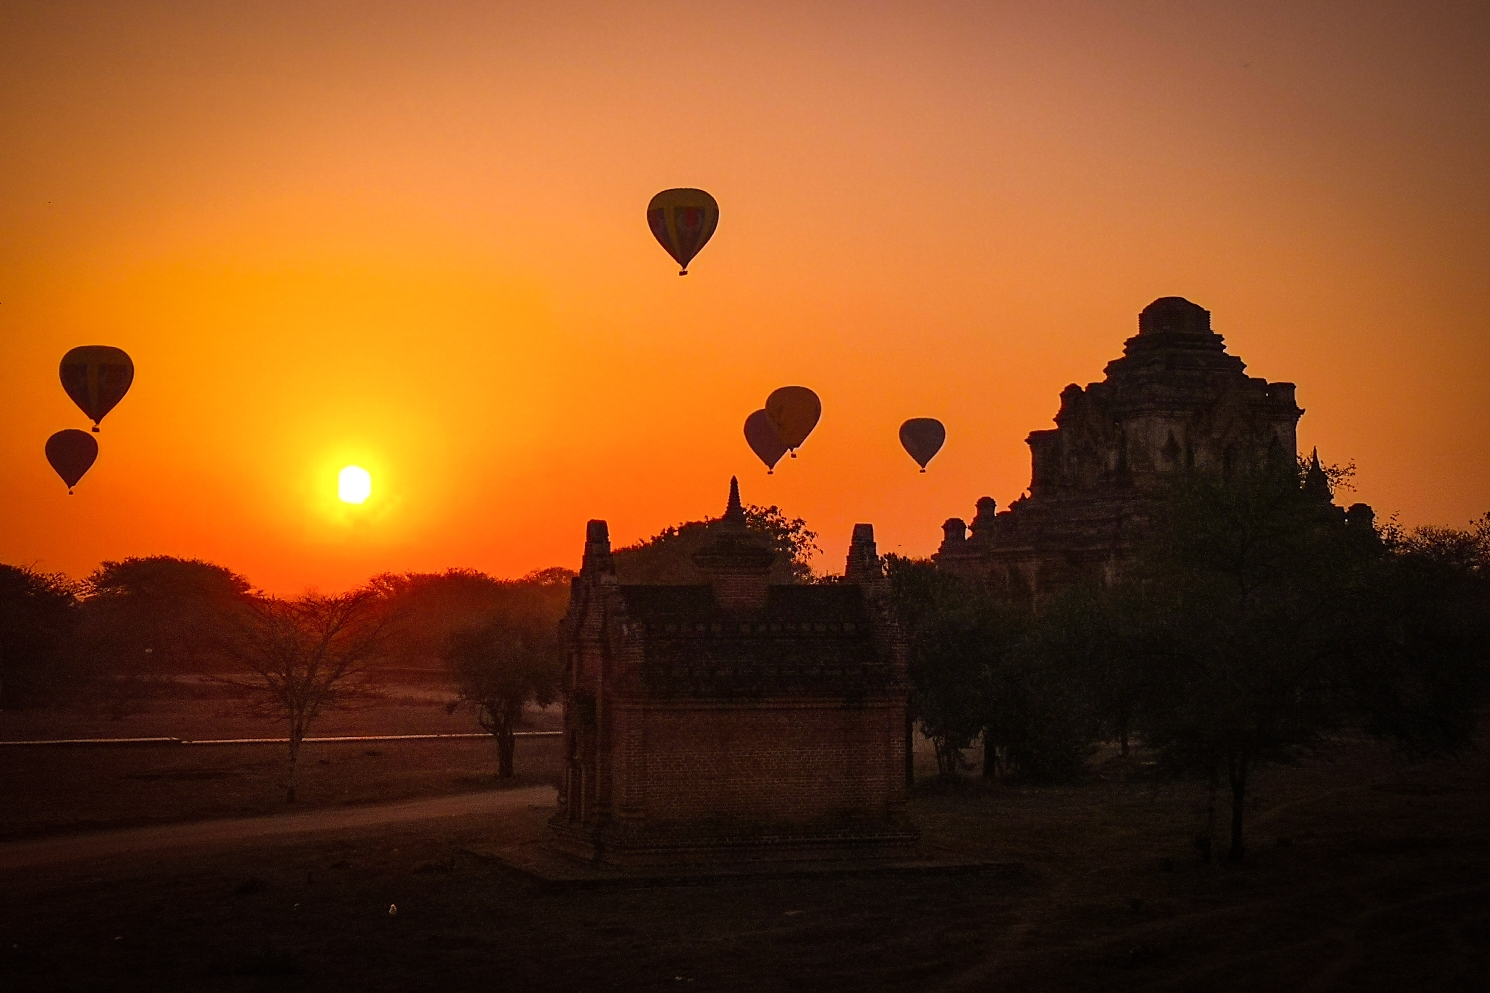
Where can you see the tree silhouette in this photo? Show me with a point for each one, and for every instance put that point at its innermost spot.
(961, 662)
(427, 608)
(1422, 638)
(160, 615)
(38, 621)
(667, 557)
(300, 657)
(498, 668)
(1262, 622)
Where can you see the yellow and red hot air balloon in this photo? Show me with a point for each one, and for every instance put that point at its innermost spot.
(683, 221)
(71, 453)
(96, 377)
(922, 438)
(794, 412)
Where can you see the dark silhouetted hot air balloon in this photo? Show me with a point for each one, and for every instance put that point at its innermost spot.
(923, 438)
(794, 411)
(683, 221)
(96, 377)
(761, 435)
(72, 453)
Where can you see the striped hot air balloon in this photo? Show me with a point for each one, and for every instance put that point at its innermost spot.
(96, 377)
(683, 221)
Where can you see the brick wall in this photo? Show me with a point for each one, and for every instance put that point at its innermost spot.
(791, 760)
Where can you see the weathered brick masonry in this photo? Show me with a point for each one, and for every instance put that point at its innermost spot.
(737, 719)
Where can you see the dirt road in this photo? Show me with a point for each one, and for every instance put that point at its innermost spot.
(105, 844)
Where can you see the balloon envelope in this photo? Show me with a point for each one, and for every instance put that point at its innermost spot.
(71, 453)
(683, 221)
(761, 435)
(96, 377)
(922, 438)
(794, 411)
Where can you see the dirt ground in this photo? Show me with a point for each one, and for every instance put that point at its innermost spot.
(1363, 874)
(51, 790)
(200, 710)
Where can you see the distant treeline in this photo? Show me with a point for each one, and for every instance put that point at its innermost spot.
(159, 617)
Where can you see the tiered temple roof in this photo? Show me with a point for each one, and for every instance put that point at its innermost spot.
(1175, 401)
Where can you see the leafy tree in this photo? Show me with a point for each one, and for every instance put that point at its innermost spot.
(667, 557)
(501, 666)
(1465, 553)
(38, 621)
(1422, 638)
(917, 590)
(1059, 689)
(161, 615)
(1253, 619)
(1102, 633)
(425, 609)
(913, 584)
(959, 640)
(955, 657)
(303, 656)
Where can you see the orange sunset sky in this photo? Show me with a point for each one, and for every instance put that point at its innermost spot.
(412, 237)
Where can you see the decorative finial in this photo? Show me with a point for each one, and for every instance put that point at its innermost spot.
(734, 514)
(1316, 480)
(1174, 315)
(736, 559)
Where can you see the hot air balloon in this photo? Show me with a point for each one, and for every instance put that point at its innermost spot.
(922, 438)
(793, 411)
(96, 377)
(683, 221)
(71, 453)
(761, 435)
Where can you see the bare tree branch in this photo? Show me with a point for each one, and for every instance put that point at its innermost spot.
(303, 656)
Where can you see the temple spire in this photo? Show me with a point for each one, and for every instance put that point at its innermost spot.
(864, 565)
(734, 514)
(737, 560)
(1316, 481)
(597, 559)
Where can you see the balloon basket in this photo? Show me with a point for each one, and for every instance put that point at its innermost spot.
(923, 472)
(682, 272)
(95, 429)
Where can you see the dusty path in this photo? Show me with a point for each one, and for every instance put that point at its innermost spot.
(104, 844)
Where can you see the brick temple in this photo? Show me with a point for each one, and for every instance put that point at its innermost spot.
(1175, 400)
(737, 719)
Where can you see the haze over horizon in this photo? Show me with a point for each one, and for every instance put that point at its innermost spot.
(413, 239)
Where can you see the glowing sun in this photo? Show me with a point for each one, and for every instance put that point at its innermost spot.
(354, 484)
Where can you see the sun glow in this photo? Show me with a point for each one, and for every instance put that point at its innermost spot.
(354, 484)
